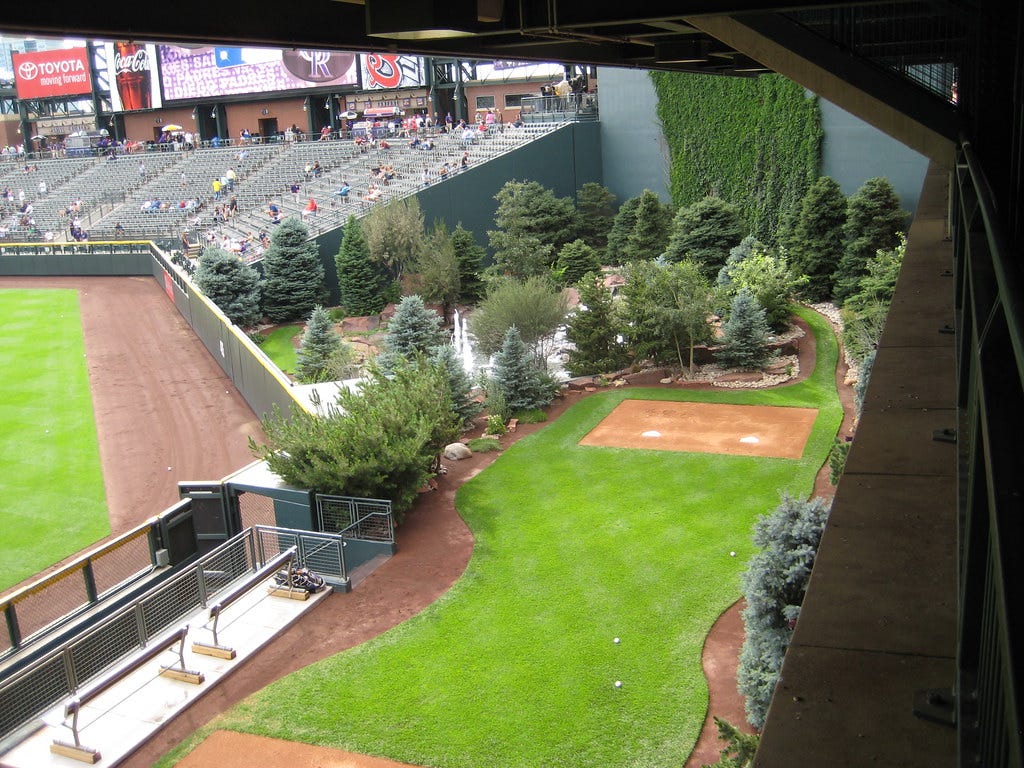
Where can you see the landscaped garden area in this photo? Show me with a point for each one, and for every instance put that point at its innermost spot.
(50, 454)
(574, 546)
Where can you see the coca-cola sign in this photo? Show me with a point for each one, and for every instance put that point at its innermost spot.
(137, 61)
(132, 74)
(43, 74)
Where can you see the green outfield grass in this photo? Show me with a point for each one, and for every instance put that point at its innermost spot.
(50, 475)
(278, 346)
(574, 546)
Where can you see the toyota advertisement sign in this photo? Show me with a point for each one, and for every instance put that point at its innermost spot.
(213, 71)
(46, 74)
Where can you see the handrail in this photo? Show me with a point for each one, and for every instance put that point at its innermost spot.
(80, 699)
(271, 566)
(1010, 295)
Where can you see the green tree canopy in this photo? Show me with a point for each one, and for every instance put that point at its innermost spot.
(771, 281)
(745, 334)
(575, 260)
(666, 309)
(649, 236)
(622, 228)
(379, 442)
(460, 384)
(439, 278)
(414, 330)
(318, 351)
(533, 306)
(704, 232)
(516, 375)
(360, 281)
(595, 211)
(529, 211)
(815, 245)
(394, 233)
(594, 330)
(231, 284)
(470, 258)
(874, 222)
(293, 275)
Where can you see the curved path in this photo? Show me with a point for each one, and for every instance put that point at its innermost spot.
(178, 392)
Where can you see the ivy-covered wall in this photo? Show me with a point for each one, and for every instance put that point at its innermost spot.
(755, 142)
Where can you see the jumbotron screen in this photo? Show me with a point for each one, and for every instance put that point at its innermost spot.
(211, 71)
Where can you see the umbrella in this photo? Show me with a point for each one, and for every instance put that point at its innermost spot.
(37, 137)
(173, 127)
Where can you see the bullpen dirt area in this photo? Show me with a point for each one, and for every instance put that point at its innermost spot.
(745, 430)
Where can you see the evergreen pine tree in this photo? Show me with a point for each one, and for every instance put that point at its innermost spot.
(414, 330)
(517, 377)
(460, 384)
(595, 211)
(470, 257)
(705, 232)
(745, 334)
(317, 351)
(360, 282)
(293, 275)
(231, 284)
(594, 331)
(622, 228)
(874, 222)
(815, 244)
(650, 231)
(575, 260)
(774, 586)
(529, 213)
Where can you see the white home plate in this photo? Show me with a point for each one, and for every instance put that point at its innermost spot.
(651, 433)
(750, 439)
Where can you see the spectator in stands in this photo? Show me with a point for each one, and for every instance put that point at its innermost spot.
(217, 186)
(295, 189)
(464, 162)
(42, 187)
(489, 118)
(448, 123)
(343, 191)
(232, 207)
(119, 230)
(310, 209)
(274, 213)
(325, 133)
(245, 136)
(317, 170)
(231, 177)
(384, 144)
(372, 194)
(426, 177)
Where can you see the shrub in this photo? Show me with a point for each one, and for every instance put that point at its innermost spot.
(837, 460)
(484, 445)
(531, 416)
(496, 424)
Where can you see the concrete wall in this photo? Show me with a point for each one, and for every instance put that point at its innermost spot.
(636, 156)
(854, 152)
(633, 149)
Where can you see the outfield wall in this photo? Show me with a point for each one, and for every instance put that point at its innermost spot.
(258, 380)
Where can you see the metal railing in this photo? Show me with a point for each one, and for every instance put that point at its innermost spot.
(34, 610)
(990, 335)
(367, 519)
(60, 673)
(323, 553)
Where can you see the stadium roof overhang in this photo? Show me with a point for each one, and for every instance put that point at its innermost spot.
(652, 34)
